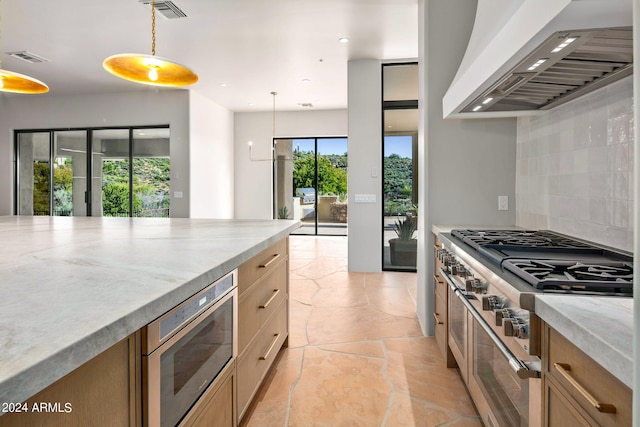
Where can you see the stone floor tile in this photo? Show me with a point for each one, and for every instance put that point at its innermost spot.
(356, 355)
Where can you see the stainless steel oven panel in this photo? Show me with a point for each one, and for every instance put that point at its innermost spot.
(151, 364)
(523, 369)
(164, 327)
(458, 333)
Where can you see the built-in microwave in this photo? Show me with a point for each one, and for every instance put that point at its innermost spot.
(186, 349)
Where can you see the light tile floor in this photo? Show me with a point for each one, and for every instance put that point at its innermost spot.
(356, 353)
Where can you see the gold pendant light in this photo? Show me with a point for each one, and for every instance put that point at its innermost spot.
(14, 82)
(150, 69)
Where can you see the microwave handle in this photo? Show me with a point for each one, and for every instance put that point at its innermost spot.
(521, 368)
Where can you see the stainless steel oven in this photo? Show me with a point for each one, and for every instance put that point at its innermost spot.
(185, 349)
(501, 376)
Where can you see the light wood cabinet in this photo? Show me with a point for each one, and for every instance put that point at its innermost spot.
(577, 391)
(105, 390)
(263, 318)
(440, 308)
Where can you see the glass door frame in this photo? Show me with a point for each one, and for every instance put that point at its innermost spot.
(89, 149)
(315, 179)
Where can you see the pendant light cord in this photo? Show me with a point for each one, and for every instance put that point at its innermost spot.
(274, 111)
(153, 27)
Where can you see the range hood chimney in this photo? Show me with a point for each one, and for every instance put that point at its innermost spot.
(567, 65)
(524, 56)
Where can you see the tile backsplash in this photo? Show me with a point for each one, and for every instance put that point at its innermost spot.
(574, 171)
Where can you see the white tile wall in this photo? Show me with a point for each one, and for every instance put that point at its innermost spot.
(574, 170)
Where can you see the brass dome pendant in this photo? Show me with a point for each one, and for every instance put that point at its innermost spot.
(15, 82)
(19, 83)
(150, 69)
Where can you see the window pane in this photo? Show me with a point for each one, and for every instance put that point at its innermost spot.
(34, 172)
(111, 173)
(151, 172)
(70, 173)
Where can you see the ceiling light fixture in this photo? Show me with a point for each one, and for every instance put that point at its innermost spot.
(487, 100)
(150, 69)
(477, 107)
(15, 82)
(343, 40)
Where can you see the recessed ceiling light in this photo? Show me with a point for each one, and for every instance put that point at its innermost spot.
(306, 81)
(251, 104)
(343, 40)
(564, 44)
(488, 100)
(223, 85)
(477, 107)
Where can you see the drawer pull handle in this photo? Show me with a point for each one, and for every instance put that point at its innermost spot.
(437, 317)
(438, 279)
(271, 261)
(266, 304)
(563, 369)
(273, 344)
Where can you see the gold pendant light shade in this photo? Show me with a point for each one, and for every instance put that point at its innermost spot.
(149, 69)
(19, 83)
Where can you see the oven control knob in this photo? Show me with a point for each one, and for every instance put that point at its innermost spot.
(480, 287)
(502, 313)
(488, 302)
(470, 283)
(515, 327)
(491, 302)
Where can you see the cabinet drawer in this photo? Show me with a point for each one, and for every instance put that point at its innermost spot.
(259, 302)
(588, 383)
(254, 363)
(261, 264)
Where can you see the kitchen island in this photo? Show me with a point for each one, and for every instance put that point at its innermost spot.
(74, 287)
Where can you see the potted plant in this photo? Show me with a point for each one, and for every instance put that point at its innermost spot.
(404, 248)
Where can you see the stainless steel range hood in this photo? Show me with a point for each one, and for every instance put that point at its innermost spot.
(567, 65)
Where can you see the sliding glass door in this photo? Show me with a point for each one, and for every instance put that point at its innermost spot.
(310, 179)
(129, 170)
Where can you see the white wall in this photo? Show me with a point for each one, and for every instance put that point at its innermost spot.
(467, 164)
(575, 167)
(210, 159)
(254, 180)
(212, 136)
(365, 162)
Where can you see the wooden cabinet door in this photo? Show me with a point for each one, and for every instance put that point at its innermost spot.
(560, 410)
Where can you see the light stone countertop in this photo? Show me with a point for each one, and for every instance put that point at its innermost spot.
(72, 287)
(602, 327)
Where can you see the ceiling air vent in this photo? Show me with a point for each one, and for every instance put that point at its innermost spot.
(28, 57)
(167, 9)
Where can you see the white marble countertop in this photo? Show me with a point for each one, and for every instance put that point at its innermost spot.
(602, 327)
(73, 287)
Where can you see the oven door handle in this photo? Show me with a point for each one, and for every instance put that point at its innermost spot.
(521, 368)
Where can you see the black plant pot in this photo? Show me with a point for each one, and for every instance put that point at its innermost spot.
(403, 252)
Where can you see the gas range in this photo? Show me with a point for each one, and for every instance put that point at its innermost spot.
(493, 277)
(552, 262)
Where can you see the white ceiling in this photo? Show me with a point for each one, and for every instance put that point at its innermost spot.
(252, 46)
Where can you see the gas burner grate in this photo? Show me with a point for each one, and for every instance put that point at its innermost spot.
(568, 275)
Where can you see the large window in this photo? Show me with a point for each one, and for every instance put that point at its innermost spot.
(400, 167)
(310, 178)
(95, 172)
